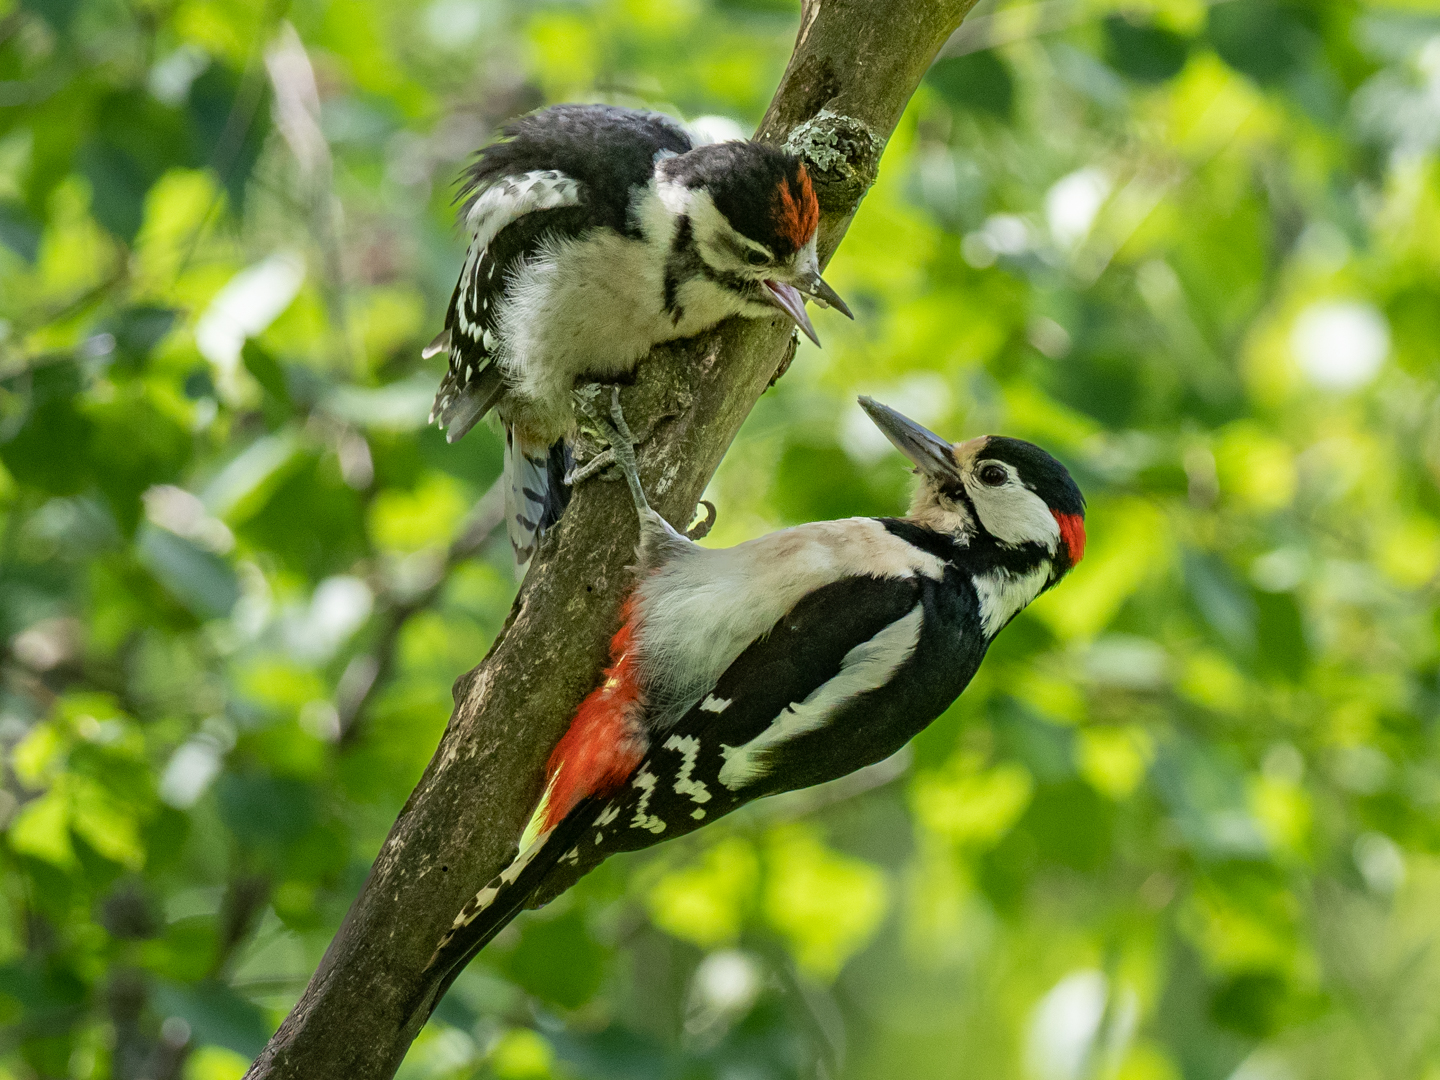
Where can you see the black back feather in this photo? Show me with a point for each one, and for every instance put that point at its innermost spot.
(608, 149)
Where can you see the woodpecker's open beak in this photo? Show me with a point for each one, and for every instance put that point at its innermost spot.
(788, 299)
(791, 300)
(931, 454)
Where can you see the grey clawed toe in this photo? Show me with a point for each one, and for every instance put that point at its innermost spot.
(622, 445)
(621, 449)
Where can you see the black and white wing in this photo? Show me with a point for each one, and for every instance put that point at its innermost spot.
(506, 220)
(558, 172)
(847, 677)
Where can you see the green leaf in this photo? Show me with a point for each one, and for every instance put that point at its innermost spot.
(558, 960)
(217, 1015)
(980, 81)
(1143, 51)
(201, 581)
(51, 448)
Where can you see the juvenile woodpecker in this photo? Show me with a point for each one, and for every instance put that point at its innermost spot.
(787, 660)
(596, 233)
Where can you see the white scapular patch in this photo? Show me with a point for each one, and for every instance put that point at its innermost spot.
(704, 606)
(643, 819)
(868, 665)
(1002, 594)
(689, 747)
(509, 198)
(714, 704)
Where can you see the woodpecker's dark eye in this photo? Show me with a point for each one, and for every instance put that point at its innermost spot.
(756, 258)
(993, 475)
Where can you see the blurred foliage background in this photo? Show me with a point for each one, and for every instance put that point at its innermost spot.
(1182, 826)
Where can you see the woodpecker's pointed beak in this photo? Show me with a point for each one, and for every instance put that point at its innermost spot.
(931, 454)
(788, 299)
(825, 296)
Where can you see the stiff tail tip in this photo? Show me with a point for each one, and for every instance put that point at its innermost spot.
(535, 491)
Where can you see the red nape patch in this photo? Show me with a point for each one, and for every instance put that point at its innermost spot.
(605, 740)
(1072, 531)
(797, 214)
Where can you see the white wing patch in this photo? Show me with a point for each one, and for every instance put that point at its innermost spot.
(685, 784)
(714, 704)
(643, 819)
(868, 665)
(1002, 594)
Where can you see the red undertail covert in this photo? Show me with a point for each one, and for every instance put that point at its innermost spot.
(605, 741)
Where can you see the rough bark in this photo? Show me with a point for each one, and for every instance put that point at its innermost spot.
(855, 65)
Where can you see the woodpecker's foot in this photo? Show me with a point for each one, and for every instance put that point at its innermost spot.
(622, 446)
(615, 432)
(701, 528)
(578, 474)
(598, 430)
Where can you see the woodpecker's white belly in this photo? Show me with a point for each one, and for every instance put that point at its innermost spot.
(592, 306)
(704, 606)
(575, 306)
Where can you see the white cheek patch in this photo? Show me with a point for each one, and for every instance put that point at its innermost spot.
(1013, 514)
(716, 239)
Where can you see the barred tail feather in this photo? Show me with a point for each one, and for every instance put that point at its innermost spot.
(603, 746)
(494, 907)
(535, 491)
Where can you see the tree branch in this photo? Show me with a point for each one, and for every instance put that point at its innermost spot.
(855, 65)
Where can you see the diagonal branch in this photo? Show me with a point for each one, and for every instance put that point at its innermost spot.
(855, 65)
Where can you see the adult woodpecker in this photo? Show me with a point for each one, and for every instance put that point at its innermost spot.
(596, 233)
(787, 660)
